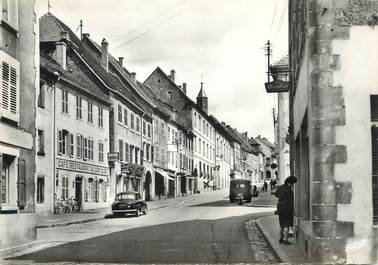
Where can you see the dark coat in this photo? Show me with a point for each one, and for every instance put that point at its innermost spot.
(285, 205)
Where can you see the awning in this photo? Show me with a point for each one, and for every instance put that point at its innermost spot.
(164, 174)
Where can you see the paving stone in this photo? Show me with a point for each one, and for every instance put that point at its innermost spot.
(260, 246)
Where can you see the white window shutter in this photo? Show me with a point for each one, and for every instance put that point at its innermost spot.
(10, 87)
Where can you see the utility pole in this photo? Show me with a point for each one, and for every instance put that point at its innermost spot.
(268, 51)
(48, 6)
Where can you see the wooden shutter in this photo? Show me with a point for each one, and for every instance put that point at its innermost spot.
(21, 184)
(374, 141)
(10, 69)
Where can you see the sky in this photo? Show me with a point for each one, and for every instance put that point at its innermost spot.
(217, 42)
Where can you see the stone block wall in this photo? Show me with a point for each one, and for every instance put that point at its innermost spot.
(321, 23)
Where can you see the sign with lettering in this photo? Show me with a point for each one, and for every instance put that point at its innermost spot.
(277, 86)
(81, 167)
(113, 157)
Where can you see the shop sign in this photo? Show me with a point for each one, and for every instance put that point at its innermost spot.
(81, 167)
(277, 86)
(113, 157)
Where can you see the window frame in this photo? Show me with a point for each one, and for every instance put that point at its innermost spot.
(100, 117)
(79, 109)
(90, 112)
(41, 142)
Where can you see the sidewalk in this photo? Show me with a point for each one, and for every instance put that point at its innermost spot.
(54, 220)
(270, 228)
(288, 254)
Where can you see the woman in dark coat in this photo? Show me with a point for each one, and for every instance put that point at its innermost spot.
(285, 208)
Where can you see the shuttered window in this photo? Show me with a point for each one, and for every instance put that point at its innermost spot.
(10, 87)
(21, 184)
(120, 149)
(78, 146)
(374, 148)
(127, 152)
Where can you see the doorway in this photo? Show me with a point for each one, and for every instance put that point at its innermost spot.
(148, 186)
(78, 191)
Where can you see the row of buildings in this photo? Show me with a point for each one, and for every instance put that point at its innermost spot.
(329, 115)
(76, 124)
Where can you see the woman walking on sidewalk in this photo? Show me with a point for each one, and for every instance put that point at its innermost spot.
(285, 208)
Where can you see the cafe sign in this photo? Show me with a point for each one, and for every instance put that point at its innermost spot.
(277, 86)
(81, 167)
(113, 157)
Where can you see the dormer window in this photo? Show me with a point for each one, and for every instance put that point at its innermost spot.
(169, 95)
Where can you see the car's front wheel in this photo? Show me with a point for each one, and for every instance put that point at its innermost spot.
(137, 213)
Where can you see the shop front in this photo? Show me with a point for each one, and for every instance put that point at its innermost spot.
(84, 184)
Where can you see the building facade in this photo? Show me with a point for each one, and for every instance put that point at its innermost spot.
(280, 71)
(269, 159)
(19, 56)
(192, 117)
(333, 93)
(72, 128)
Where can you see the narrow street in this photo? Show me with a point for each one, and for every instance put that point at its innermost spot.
(206, 228)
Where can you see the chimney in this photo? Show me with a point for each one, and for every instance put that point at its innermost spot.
(133, 77)
(120, 60)
(223, 124)
(104, 54)
(245, 134)
(61, 50)
(184, 88)
(172, 76)
(64, 35)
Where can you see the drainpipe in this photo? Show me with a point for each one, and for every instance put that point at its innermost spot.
(141, 145)
(56, 79)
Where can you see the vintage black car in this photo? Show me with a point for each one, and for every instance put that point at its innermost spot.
(128, 202)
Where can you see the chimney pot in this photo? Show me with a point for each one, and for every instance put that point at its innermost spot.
(104, 54)
(184, 88)
(120, 60)
(173, 75)
(133, 77)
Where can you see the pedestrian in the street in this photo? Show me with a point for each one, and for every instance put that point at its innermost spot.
(265, 187)
(285, 208)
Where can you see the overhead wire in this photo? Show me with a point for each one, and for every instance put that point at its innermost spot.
(283, 14)
(273, 19)
(148, 30)
(149, 21)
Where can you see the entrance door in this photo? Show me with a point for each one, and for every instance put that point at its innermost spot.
(78, 191)
(148, 186)
(183, 185)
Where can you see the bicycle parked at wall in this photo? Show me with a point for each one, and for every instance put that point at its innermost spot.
(66, 206)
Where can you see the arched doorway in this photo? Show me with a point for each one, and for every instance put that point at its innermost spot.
(148, 186)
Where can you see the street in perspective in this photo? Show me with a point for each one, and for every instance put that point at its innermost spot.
(183, 131)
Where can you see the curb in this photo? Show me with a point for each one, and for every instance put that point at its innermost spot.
(99, 218)
(11, 250)
(82, 221)
(280, 253)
